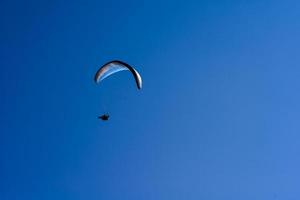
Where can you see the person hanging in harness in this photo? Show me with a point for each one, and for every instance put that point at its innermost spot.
(104, 117)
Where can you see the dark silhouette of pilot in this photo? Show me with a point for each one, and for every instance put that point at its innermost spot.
(104, 117)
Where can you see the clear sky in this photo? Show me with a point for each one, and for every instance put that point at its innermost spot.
(217, 118)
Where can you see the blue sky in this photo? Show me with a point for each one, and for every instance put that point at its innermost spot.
(217, 118)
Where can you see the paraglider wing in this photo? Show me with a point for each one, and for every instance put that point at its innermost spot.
(114, 67)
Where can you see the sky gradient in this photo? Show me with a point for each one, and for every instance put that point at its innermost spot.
(217, 118)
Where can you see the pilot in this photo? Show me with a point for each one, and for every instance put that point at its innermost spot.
(104, 117)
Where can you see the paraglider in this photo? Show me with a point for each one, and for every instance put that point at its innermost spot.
(111, 68)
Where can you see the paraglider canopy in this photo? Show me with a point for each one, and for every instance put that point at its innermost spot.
(116, 66)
